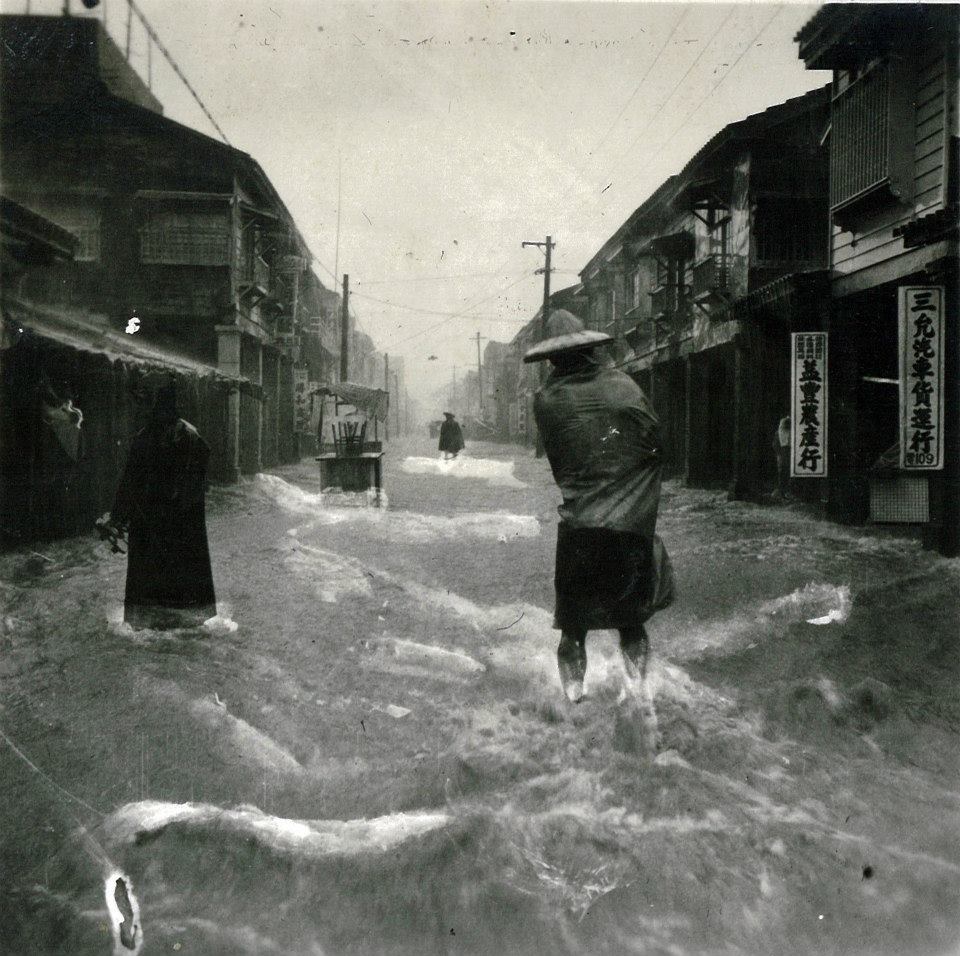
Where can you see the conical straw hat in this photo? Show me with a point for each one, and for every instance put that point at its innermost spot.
(565, 333)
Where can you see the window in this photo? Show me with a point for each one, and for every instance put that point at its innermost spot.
(636, 281)
(669, 295)
(872, 121)
(172, 237)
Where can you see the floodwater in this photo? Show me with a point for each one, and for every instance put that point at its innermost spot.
(367, 750)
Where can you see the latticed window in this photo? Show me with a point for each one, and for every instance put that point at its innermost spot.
(185, 238)
(859, 152)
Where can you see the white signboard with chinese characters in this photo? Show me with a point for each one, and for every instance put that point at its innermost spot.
(808, 412)
(921, 378)
(301, 399)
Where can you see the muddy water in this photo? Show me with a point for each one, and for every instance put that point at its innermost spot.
(377, 759)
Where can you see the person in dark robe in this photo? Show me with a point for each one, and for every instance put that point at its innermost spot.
(602, 439)
(451, 436)
(160, 504)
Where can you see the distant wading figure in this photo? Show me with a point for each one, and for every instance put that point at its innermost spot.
(601, 437)
(451, 437)
(160, 501)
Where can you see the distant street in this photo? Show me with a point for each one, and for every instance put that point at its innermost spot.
(398, 665)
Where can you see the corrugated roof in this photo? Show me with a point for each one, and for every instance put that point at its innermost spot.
(22, 226)
(89, 333)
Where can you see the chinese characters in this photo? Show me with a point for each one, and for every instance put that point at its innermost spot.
(921, 378)
(809, 363)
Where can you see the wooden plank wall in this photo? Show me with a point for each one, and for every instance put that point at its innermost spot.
(874, 240)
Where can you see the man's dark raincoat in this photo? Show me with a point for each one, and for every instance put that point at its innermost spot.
(451, 437)
(602, 439)
(161, 501)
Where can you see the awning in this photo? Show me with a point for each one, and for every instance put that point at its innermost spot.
(373, 402)
(89, 333)
(710, 191)
(28, 235)
(780, 292)
(941, 224)
(679, 245)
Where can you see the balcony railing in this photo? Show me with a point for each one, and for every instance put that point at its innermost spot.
(859, 150)
(709, 277)
(256, 273)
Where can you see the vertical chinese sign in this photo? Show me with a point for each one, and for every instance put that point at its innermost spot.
(921, 378)
(301, 399)
(808, 412)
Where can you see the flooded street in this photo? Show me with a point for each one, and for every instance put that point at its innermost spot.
(368, 751)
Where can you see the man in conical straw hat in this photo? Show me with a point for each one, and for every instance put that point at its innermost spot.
(602, 439)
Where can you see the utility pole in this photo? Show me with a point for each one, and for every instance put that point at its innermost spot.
(396, 391)
(345, 331)
(548, 247)
(545, 311)
(386, 388)
(477, 338)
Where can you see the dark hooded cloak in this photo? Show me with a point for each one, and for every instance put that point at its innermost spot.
(451, 436)
(160, 500)
(602, 440)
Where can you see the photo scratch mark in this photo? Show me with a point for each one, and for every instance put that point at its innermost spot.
(124, 914)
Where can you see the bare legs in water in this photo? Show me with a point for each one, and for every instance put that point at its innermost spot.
(572, 657)
(635, 653)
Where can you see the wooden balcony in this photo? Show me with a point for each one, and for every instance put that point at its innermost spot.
(255, 280)
(709, 278)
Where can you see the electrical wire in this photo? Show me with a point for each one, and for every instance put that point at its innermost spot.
(418, 309)
(725, 75)
(176, 69)
(454, 315)
(676, 87)
(462, 275)
(639, 85)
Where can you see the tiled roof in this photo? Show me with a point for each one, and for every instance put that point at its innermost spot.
(747, 128)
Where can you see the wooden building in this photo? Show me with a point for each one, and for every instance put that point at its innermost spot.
(893, 231)
(74, 391)
(701, 286)
(175, 228)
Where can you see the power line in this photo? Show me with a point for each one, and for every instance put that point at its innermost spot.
(636, 90)
(412, 308)
(725, 75)
(176, 69)
(458, 314)
(676, 87)
(462, 275)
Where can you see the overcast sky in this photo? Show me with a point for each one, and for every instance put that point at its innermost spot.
(464, 128)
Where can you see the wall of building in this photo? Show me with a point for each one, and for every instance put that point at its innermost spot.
(44, 493)
(872, 239)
